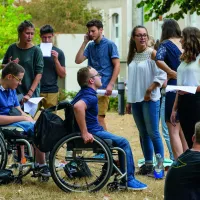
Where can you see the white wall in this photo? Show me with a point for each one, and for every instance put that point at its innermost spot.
(70, 44)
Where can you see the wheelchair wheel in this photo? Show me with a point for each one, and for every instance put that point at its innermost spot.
(3, 153)
(74, 166)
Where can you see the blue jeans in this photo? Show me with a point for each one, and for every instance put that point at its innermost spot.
(146, 116)
(123, 144)
(164, 128)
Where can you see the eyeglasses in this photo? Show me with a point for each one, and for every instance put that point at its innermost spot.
(98, 74)
(142, 35)
(16, 78)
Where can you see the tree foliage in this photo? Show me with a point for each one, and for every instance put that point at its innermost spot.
(155, 8)
(10, 18)
(66, 16)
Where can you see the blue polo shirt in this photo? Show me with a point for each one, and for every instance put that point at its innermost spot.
(100, 57)
(8, 99)
(88, 95)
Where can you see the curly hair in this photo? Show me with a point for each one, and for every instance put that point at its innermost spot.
(132, 45)
(190, 43)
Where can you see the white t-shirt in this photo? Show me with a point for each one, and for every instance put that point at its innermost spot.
(142, 72)
(188, 74)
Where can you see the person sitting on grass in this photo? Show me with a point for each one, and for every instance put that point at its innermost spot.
(12, 75)
(182, 180)
(85, 106)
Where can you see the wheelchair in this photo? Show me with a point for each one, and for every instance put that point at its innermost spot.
(10, 153)
(76, 166)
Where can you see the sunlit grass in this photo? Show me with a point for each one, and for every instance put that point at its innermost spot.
(32, 189)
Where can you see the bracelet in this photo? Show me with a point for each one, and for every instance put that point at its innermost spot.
(29, 95)
(31, 90)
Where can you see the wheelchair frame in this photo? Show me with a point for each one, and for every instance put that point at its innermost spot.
(8, 147)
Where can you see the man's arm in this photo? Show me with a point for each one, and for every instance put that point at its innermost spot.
(4, 120)
(79, 112)
(79, 56)
(116, 65)
(59, 68)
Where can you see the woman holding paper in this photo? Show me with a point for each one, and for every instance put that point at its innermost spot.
(168, 59)
(144, 82)
(187, 105)
(30, 57)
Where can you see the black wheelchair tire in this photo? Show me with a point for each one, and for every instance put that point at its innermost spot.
(97, 184)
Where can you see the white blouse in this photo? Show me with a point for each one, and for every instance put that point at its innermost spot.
(188, 74)
(142, 72)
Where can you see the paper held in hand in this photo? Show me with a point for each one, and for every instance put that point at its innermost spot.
(102, 93)
(189, 89)
(31, 105)
(46, 49)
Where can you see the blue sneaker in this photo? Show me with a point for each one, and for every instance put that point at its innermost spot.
(134, 184)
(99, 156)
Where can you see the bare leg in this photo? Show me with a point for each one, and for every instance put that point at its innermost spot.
(175, 139)
(183, 140)
(101, 119)
(40, 156)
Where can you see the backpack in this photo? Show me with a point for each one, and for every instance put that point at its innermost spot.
(50, 128)
(6, 176)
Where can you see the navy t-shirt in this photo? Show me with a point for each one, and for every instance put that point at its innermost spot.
(88, 95)
(50, 76)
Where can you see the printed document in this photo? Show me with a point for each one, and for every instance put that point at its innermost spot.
(31, 105)
(189, 89)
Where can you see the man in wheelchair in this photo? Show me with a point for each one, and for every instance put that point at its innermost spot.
(10, 110)
(86, 110)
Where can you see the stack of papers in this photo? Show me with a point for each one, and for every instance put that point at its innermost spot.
(31, 105)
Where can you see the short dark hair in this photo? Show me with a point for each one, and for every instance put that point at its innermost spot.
(83, 75)
(25, 24)
(12, 68)
(46, 29)
(95, 22)
(197, 132)
(170, 28)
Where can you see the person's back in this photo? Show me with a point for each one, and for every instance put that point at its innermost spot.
(182, 180)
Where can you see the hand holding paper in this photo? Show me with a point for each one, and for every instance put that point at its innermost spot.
(31, 105)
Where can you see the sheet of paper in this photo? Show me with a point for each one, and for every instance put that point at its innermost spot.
(190, 89)
(46, 49)
(31, 105)
(102, 93)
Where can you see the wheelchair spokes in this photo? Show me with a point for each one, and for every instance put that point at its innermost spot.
(81, 171)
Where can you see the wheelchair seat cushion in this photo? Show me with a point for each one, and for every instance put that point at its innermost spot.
(11, 132)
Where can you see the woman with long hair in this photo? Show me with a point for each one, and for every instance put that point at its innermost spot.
(188, 74)
(144, 82)
(168, 59)
(30, 57)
